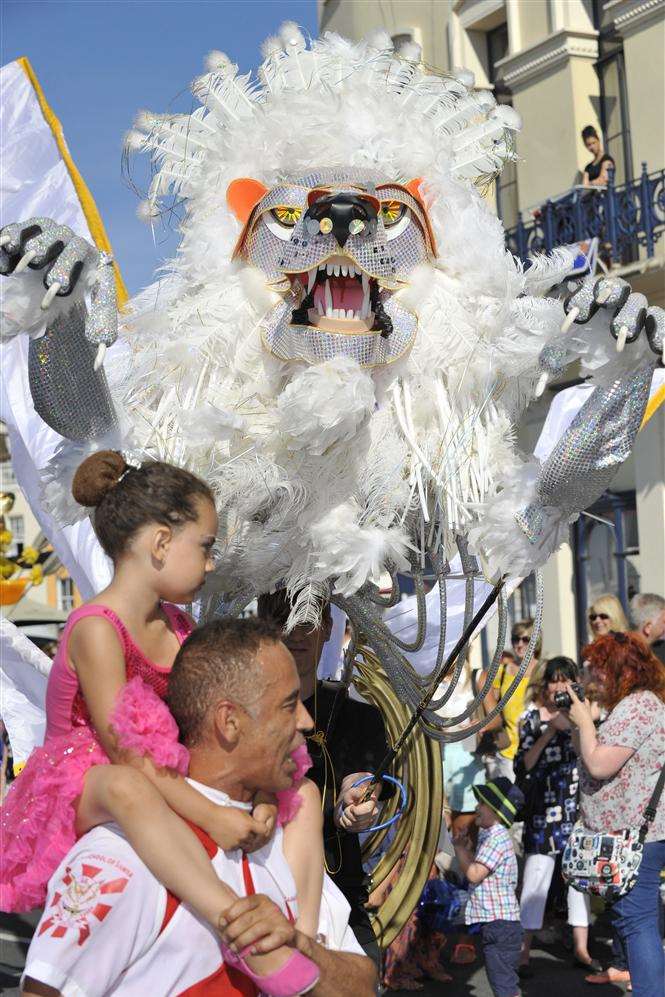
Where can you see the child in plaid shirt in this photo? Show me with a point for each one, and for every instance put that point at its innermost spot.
(492, 876)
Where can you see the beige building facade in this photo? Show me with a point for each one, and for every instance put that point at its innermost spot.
(565, 64)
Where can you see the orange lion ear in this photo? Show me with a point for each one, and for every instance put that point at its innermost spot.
(413, 187)
(243, 195)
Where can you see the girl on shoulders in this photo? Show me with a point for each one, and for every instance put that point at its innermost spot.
(111, 751)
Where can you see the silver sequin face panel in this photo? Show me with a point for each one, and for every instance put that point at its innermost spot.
(314, 345)
(337, 299)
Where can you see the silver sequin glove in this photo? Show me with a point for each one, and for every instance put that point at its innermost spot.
(69, 269)
(631, 313)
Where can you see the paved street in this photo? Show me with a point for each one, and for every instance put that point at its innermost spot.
(554, 974)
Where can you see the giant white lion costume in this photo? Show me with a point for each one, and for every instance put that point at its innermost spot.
(342, 345)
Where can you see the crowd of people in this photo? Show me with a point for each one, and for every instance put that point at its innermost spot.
(171, 787)
(579, 743)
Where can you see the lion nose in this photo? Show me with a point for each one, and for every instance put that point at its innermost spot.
(343, 214)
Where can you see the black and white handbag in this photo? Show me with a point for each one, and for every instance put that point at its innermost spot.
(607, 864)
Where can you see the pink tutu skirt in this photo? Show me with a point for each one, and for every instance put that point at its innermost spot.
(37, 821)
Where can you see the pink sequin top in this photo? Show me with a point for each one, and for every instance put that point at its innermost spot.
(65, 705)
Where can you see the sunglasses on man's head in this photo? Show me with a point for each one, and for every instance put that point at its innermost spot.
(598, 616)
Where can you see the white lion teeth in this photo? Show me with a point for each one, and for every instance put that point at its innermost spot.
(328, 297)
(364, 311)
(330, 269)
(365, 279)
(311, 277)
(343, 270)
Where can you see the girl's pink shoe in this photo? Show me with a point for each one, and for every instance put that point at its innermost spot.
(297, 976)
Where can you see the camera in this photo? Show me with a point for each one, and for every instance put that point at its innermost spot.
(562, 700)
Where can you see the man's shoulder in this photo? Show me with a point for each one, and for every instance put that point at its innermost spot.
(102, 852)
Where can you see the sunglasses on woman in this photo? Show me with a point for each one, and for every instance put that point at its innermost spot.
(598, 616)
(520, 640)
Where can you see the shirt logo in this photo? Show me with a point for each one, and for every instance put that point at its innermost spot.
(84, 898)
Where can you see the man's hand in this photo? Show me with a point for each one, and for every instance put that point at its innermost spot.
(232, 828)
(256, 922)
(350, 813)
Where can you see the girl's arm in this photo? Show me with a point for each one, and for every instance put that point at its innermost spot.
(97, 657)
(303, 849)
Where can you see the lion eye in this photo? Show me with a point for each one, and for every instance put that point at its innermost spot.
(392, 212)
(287, 215)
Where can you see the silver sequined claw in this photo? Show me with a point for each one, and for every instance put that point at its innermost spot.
(582, 301)
(50, 295)
(569, 319)
(25, 261)
(628, 321)
(654, 327)
(99, 358)
(101, 326)
(611, 292)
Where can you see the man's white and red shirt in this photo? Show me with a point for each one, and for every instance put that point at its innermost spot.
(110, 928)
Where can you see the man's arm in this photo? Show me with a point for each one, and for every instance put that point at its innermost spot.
(258, 922)
(343, 974)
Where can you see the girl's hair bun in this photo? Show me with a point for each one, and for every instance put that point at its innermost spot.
(97, 475)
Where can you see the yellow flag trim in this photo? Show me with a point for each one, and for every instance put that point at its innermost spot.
(656, 400)
(90, 210)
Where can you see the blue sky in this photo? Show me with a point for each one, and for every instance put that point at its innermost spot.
(100, 62)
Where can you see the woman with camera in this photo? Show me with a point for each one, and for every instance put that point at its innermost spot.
(620, 767)
(546, 772)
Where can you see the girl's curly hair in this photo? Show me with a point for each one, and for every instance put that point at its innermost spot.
(628, 665)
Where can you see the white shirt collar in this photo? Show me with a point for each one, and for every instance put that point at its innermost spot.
(217, 796)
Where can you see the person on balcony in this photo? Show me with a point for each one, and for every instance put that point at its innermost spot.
(596, 172)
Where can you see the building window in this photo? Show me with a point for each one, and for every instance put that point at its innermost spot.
(65, 594)
(17, 528)
(605, 541)
(507, 204)
(7, 476)
(614, 119)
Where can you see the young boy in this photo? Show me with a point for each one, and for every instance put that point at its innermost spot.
(492, 876)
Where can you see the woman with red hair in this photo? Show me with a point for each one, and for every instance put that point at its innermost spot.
(620, 767)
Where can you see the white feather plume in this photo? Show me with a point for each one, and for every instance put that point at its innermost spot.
(324, 405)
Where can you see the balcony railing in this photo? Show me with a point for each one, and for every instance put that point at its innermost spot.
(626, 219)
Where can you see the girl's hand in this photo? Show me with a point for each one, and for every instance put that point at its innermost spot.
(580, 710)
(230, 827)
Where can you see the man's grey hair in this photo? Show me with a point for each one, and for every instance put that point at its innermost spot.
(218, 661)
(644, 608)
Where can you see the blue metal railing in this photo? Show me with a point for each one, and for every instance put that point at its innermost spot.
(624, 218)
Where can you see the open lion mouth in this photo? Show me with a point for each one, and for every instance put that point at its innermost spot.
(339, 297)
